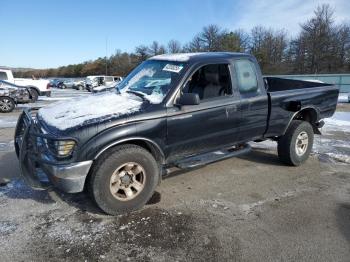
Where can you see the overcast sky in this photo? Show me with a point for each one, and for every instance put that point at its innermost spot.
(42, 34)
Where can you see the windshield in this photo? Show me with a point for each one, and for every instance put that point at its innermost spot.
(152, 79)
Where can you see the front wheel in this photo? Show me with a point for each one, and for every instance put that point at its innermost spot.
(123, 179)
(295, 145)
(7, 104)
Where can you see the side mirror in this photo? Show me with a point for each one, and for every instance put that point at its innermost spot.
(188, 99)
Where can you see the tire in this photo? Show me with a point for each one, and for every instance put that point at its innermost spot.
(80, 87)
(289, 152)
(104, 173)
(35, 94)
(7, 104)
(64, 86)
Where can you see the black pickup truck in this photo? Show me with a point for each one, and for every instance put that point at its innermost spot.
(180, 110)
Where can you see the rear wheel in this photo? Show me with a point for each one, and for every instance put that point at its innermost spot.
(7, 104)
(34, 94)
(123, 179)
(295, 146)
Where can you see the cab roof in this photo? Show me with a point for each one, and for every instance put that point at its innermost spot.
(192, 57)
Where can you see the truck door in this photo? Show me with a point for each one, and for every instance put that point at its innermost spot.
(254, 100)
(197, 128)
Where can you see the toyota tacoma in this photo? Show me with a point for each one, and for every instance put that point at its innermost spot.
(172, 111)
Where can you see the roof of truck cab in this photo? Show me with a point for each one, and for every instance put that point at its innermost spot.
(192, 57)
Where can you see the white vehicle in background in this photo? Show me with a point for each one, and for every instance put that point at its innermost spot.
(38, 87)
(108, 86)
(95, 81)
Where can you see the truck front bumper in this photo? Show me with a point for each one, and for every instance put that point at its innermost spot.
(38, 169)
(69, 178)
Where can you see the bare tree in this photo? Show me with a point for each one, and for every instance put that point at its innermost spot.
(317, 34)
(154, 48)
(237, 41)
(141, 52)
(194, 46)
(174, 46)
(270, 48)
(211, 37)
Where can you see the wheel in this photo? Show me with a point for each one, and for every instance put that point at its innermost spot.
(64, 86)
(123, 179)
(80, 87)
(7, 104)
(35, 94)
(295, 145)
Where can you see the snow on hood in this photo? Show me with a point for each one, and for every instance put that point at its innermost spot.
(94, 108)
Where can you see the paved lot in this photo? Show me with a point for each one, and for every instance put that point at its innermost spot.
(251, 208)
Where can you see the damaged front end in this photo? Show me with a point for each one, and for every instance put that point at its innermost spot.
(46, 159)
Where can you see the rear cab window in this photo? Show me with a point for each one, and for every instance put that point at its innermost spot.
(246, 77)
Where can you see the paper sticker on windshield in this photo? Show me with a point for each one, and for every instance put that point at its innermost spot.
(173, 68)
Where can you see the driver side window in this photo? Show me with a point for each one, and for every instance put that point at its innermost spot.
(210, 81)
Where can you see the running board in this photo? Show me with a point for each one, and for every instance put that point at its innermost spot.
(211, 157)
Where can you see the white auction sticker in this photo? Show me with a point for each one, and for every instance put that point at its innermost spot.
(173, 68)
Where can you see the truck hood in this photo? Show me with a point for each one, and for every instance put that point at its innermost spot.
(89, 110)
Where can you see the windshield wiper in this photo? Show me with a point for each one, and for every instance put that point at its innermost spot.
(139, 94)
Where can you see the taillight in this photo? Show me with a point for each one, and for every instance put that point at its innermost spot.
(48, 86)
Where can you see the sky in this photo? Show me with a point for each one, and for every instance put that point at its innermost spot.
(52, 33)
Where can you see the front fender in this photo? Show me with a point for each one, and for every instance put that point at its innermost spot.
(150, 131)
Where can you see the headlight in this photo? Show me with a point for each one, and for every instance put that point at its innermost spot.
(62, 148)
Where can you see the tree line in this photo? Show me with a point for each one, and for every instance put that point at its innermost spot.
(320, 47)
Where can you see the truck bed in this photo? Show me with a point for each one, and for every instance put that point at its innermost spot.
(287, 96)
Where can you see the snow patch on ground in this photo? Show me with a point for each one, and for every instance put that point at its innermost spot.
(75, 112)
(7, 146)
(45, 98)
(339, 157)
(339, 122)
(6, 227)
(8, 121)
(343, 98)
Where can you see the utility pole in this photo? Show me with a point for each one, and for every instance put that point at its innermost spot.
(106, 57)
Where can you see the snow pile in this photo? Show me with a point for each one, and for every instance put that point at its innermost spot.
(44, 98)
(64, 115)
(339, 122)
(8, 121)
(343, 98)
(182, 57)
